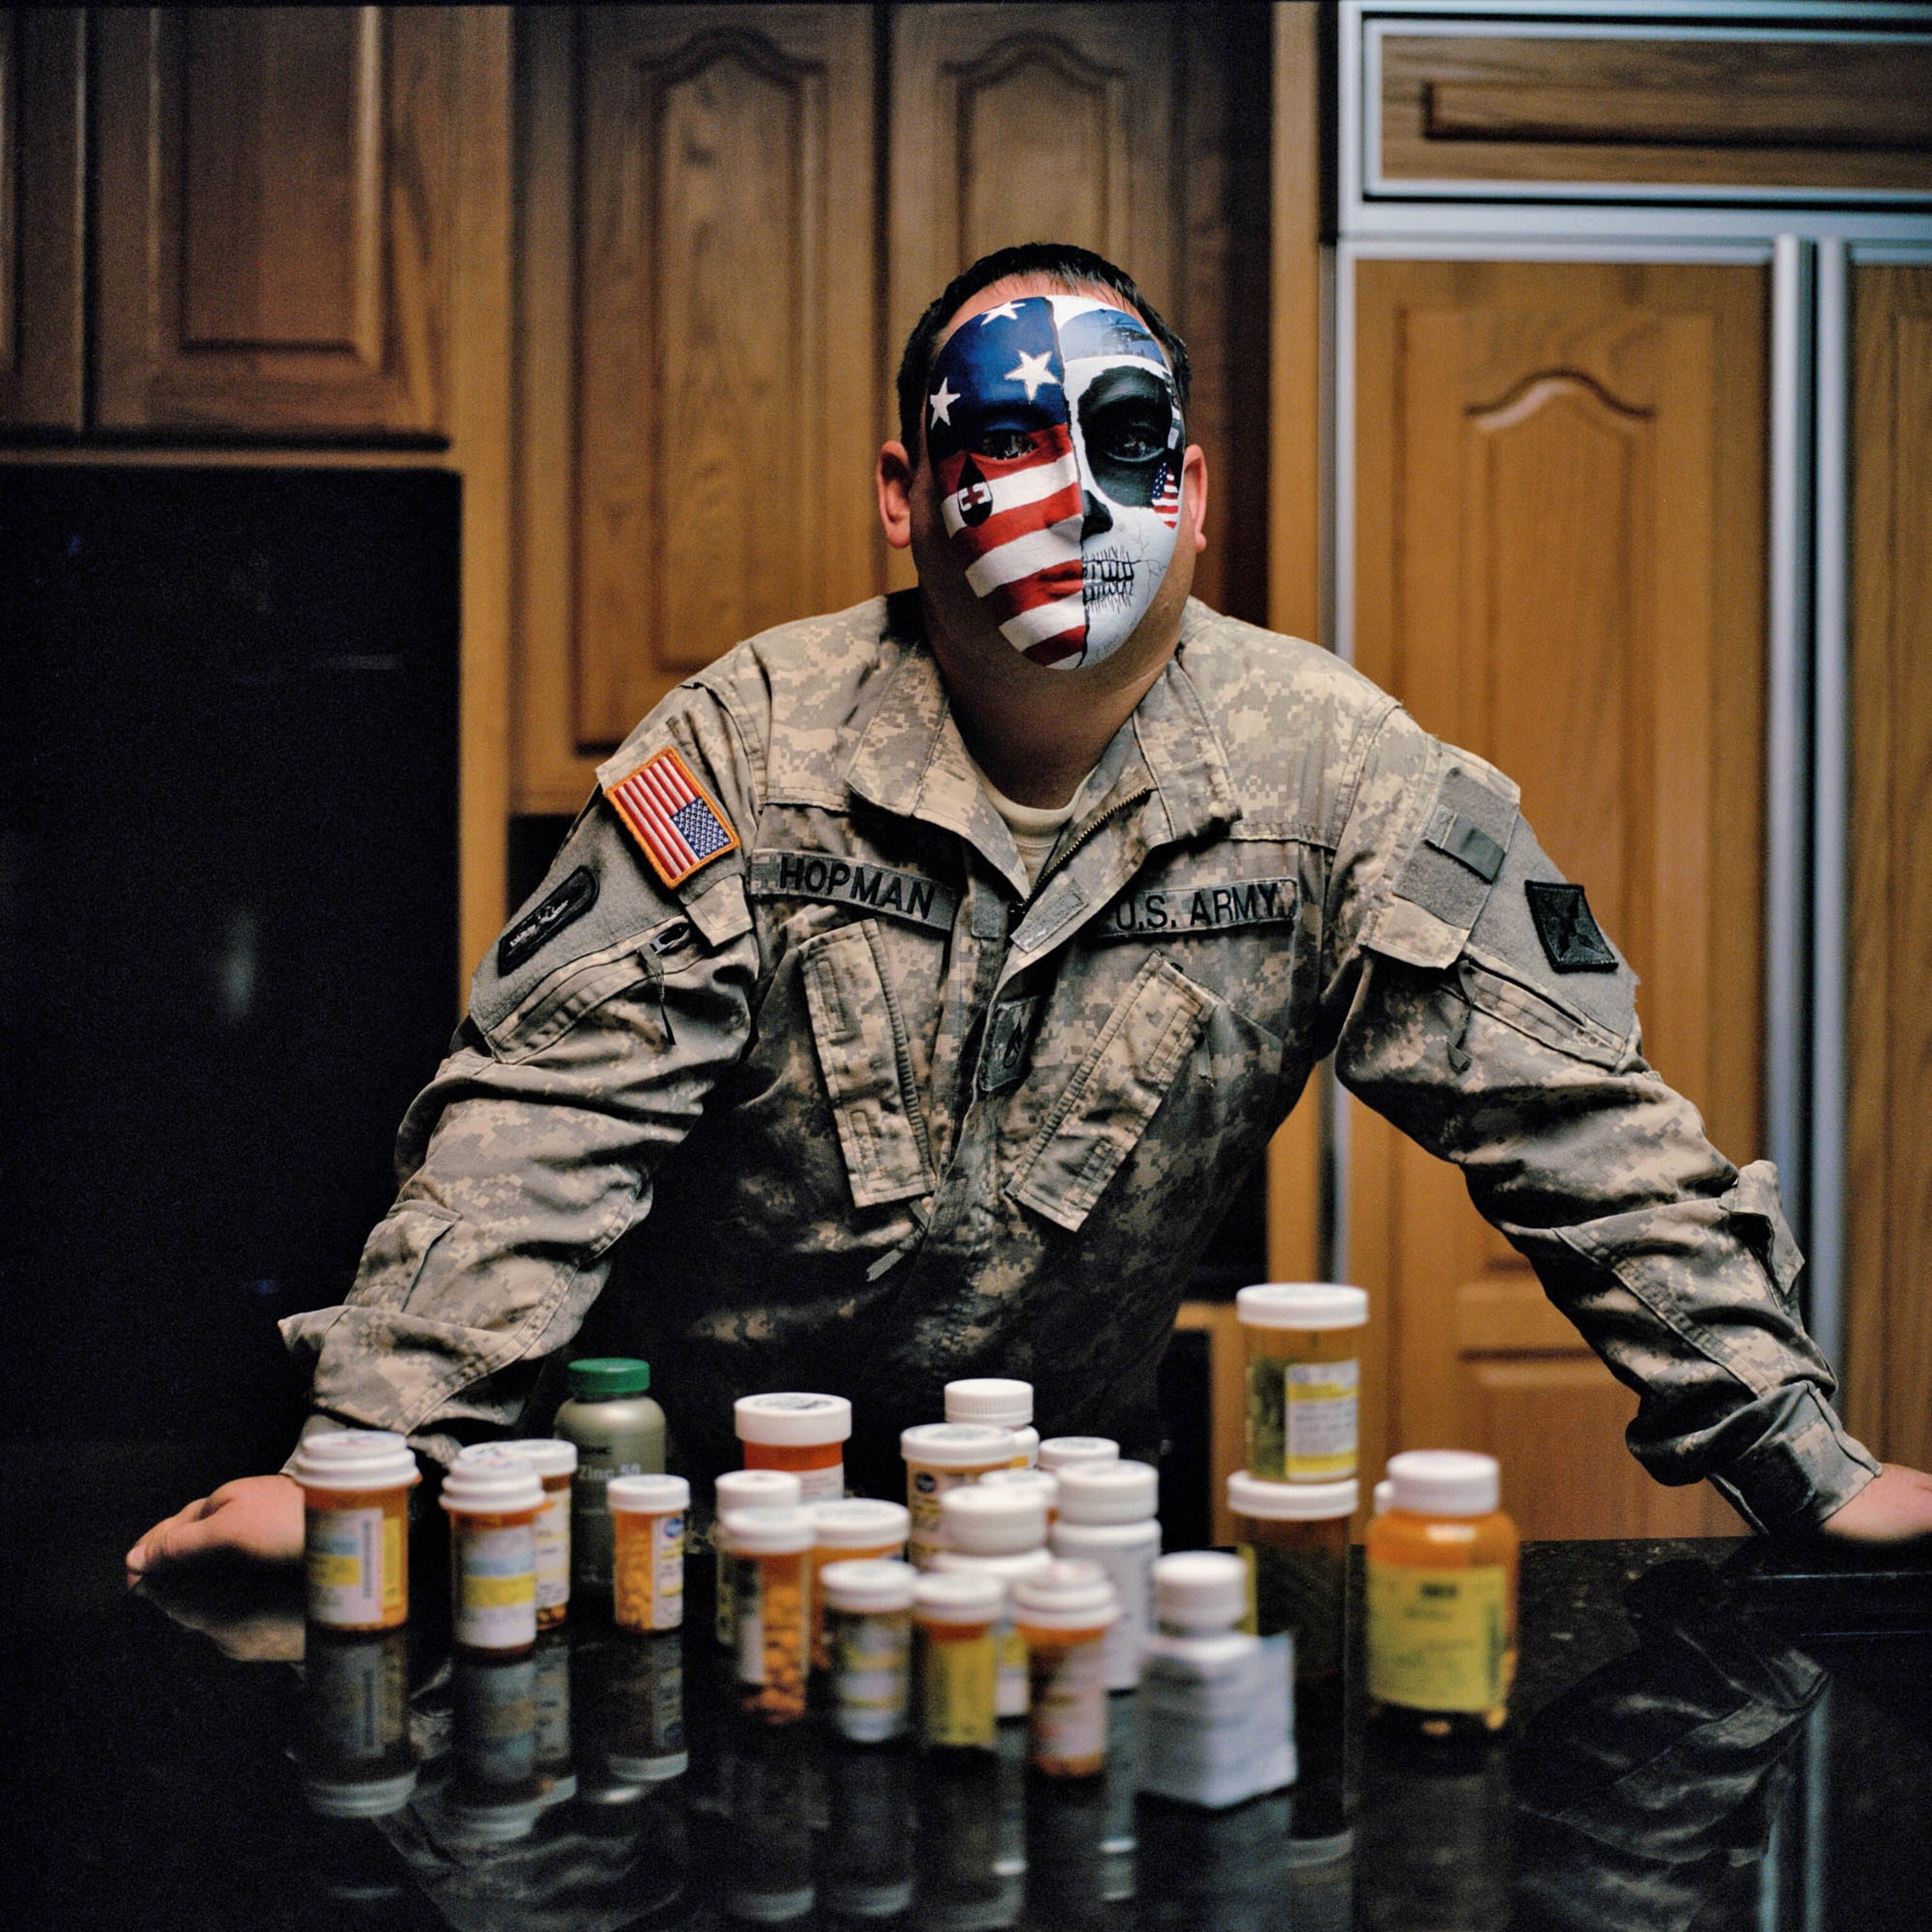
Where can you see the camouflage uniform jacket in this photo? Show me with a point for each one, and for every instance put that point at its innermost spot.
(851, 1109)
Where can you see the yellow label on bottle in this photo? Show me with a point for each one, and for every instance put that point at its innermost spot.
(958, 1677)
(392, 1561)
(1439, 1639)
(335, 1573)
(497, 1593)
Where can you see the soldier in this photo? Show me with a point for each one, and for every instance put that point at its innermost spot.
(922, 980)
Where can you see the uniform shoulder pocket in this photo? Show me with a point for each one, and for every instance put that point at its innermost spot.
(1100, 1118)
(860, 1037)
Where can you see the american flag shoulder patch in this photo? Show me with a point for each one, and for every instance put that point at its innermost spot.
(672, 817)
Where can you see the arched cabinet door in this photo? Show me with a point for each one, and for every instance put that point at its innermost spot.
(1560, 564)
(725, 401)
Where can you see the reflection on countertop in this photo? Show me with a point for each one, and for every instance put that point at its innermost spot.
(1674, 1761)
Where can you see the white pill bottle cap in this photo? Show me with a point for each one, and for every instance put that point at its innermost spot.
(1200, 1589)
(1443, 1482)
(992, 1398)
(1302, 1304)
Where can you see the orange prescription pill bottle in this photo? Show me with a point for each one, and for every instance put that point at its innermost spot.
(941, 1456)
(743, 1489)
(648, 1515)
(805, 1434)
(493, 1498)
(355, 1485)
(1441, 1596)
(1303, 1343)
(1062, 1615)
(854, 1530)
(770, 1565)
(954, 1616)
(555, 1463)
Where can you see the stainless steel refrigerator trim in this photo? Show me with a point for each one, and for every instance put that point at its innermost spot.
(1787, 886)
(1830, 794)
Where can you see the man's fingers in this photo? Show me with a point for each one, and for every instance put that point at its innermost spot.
(181, 1534)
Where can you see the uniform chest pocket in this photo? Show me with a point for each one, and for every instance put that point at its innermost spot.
(860, 1038)
(1097, 1121)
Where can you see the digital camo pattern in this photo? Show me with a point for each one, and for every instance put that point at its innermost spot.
(761, 1114)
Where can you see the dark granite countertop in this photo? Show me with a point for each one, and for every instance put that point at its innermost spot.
(1681, 1754)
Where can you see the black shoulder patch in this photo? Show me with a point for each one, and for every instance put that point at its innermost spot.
(565, 907)
(1571, 937)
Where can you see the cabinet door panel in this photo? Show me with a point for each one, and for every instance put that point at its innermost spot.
(1560, 476)
(273, 226)
(1888, 1222)
(725, 415)
(42, 108)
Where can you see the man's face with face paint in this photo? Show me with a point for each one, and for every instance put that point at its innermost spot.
(1057, 446)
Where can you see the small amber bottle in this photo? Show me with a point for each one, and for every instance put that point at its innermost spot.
(1442, 1563)
(1303, 1343)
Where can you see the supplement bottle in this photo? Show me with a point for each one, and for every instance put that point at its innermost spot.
(1294, 1537)
(770, 1566)
(1044, 1486)
(849, 1530)
(1003, 1403)
(955, 1615)
(868, 1631)
(736, 1489)
(1056, 1451)
(555, 1463)
(1062, 1615)
(492, 1497)
(803, 1435)
(1216, 1717)
(618, 1431)
(355, 1485)
(940, 1456)
(1441, 1597)
(1302, 1342)
(999, 1533)
(648, 1515)
(1107, 1516)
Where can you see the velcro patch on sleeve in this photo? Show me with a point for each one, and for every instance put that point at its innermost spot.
(1572, 939)
(672, 816)
(537, 927)
(1462, 849)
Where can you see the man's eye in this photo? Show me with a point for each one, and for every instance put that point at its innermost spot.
(1003, 445)
(1132, 438)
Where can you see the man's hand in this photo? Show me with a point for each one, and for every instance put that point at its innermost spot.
(1895, 1507)
(259, 1517)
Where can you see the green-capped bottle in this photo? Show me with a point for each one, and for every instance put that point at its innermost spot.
(619, 1431)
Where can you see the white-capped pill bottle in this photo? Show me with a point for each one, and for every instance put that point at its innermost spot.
(1002, 1401)
(940, 1456)
(648, 1517)
(869, 1633)
(492, 1499)
(740, 1490)
(803, 1435)
(1000, 1532)
(957, 1616)
(555, 1462)
(1107, 1516)
(1062, 1615)
(1216, 1715)
(355, 1485)
(1046, 1487)
(849, 1530)
(1303, 1341)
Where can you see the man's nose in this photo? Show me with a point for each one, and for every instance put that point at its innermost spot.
(1098, 519)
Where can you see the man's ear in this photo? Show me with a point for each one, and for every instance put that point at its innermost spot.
(893, 476)
(1194, 492)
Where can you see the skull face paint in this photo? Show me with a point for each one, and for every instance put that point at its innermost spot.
(1056, 439)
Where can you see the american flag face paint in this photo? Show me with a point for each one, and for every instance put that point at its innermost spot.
(1057, 440)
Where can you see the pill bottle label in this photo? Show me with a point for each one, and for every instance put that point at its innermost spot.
(958, 1675)
(1437, 1638)
(821, 1486)
(496, 1588)
(1068, 1720)
(1302, 1420)
(355, 1564)
(648, 1593)
(870, 1655)
(553, 1547)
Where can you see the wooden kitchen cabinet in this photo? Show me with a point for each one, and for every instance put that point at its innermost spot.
(272, 225)
(43, 117)
(1560, 565)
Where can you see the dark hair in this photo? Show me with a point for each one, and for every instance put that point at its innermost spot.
(1050, 261)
